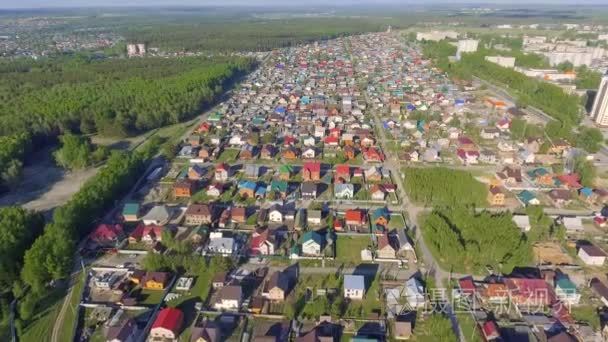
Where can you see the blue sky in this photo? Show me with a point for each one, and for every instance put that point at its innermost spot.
(96, 3)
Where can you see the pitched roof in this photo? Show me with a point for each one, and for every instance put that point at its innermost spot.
(170, 319)
(354, 282)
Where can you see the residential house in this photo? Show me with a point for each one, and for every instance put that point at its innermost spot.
(528, 198)
(560, 197)
(468, 156)
(312, 243)
(314, 217)
(355, 217)
(247, 152)
(277, 286)
(247, 189)
(107, 234)
(275, 214)
(354, 287)
(377, 192)
(285, 172)
(279, 187)
(510, 175)
(308, 190)
(208, 331)
(123, 330)
(309, 153)
(380, 219)
(414, 293)
(196, 172)
(198, 214)
(342, 173)
(496, 196)
(229, 298)
(541, 176)
(184, 188)
(490, 133)
(215, 190)
(387, 248)
(592, 255)
(155, 280)
(268, 152)
(344, 190)
(290, 153)
(372, 174)
(220, 244)
(566, 291)
(252, 171)
(261, 243)
(402, 329)
(222, 172)
(311, 171)
(373, 154)
(130, 212)
(239, 215)
(167, 325)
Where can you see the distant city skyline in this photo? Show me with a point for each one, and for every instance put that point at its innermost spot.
(31, 4)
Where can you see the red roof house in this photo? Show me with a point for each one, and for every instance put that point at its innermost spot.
(106, 233)
(490, 330)
(311, 171)
(354, 217)
(342, 172)
(571, 180)
(167, 324)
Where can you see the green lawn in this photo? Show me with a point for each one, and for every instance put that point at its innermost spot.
(40, 327)
(469, 327)
(228, 155)
(348, 248)
(396, 222)
(586, 313)
(186, 302)
(69, 319)
(151, 297)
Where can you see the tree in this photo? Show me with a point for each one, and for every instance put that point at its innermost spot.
(565, 66)
(586, 171)
(589, 139)
(75, 152)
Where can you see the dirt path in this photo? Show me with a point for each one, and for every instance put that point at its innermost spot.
(46, 186)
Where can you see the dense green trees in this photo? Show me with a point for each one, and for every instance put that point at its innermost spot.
(436, 327)
(589, 139)
(18, 230)
(118, 106)
(587, 79)
(586, 170)
(51, 255)
(13, 149)
(249, 35)
(443, 186)
(465, 241)
(77, 152)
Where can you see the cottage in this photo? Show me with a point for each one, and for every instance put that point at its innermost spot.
(198, 214)
(277, 286)
(312, 243)
(229, 298)
(355, 217)
(387, 248)
(560, 197)
(275, 214)
(167, 325)
(155, 280)
(107, 234)
(592, 255)
(414, 293)
(196, 172)
(528, 198)
(158, 215)
(496, 196)
(314, 217)
(184, 188)
(222, 172)
(311, 171)
(354, 287)
(566, 290)
(130, 212)
(285, 172)
(377, 192)
(261, 243)
(308, 190)
(344, 190)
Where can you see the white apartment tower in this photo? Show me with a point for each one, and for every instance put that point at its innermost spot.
(599, 111)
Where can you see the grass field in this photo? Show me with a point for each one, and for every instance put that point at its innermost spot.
(469, 327)
(586, 313)
(40, 327)
(348, 249)
(69, 319)
(198, 293)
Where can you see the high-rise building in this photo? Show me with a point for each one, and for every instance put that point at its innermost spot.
(599, 111)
